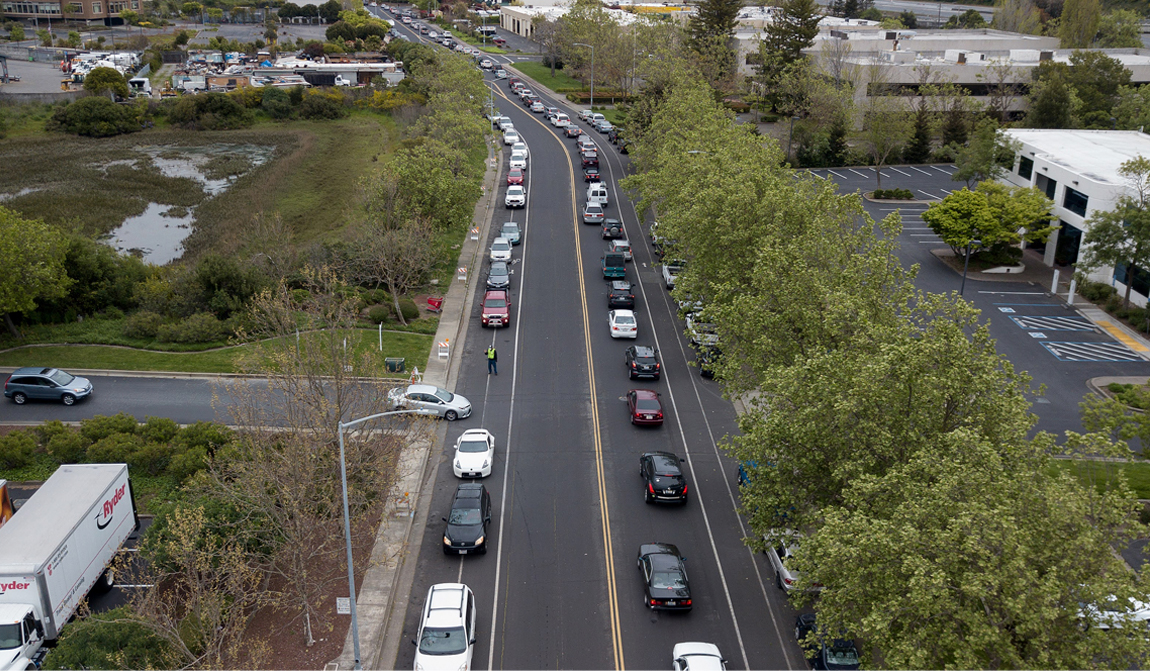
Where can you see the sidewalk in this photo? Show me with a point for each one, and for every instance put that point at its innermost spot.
(385, 591)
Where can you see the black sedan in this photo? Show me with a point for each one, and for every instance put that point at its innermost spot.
(622, 295)
(662, 477)
(839, 654)
(664, 576)
(590, 158)
(642, 361)
(591, 174)
(466, 531)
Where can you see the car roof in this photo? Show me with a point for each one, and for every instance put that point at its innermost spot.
(646, 350)
(498, 265)
(445, 603)
(645, 393)
(33, 370)
(664, 562)
(620, 285)
(423, 388)
(623, 313)
(495, 293)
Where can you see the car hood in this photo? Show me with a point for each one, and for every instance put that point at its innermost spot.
(463, 533)
(472, 461)
(442, 662)
(80, 383)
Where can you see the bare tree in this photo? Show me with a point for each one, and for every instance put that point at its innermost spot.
(549, 34)
(886, 126)
(835, 60)
(1002, 88)
(400, 258)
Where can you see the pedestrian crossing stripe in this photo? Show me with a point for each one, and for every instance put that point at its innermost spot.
(1054, 323)
(1090, 351)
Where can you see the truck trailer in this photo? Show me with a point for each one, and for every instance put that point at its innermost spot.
(57, 548)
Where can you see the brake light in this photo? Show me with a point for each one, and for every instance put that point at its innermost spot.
(654, 602)
(634, 365)
(687, 602)
(657, 366)
(659, 415)
(650, 488)
(684, 489)
(789, 581)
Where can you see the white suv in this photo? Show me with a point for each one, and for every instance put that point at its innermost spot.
(446, 636)
(516, 197)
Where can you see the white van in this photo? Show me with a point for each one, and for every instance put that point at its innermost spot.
(595, 118)
(560, 120)
(597, 193)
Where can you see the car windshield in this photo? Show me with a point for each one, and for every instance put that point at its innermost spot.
(473, 446)
(10, 636)
(464, 516)
(499, 246)
(495, 303)
(667, 580)
(511, 229)
(842, 653)
(624, 319)
(515, 191)
(647, 404)
(444, 395)
(446, 641)
(61, 378)
(666, 467)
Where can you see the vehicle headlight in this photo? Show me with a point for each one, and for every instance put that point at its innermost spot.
(479, 541)
(458, 464)
(446, 540)
(485, 463)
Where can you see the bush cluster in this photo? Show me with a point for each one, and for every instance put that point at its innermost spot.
(209, 111)
(893, 194)
(1135, 396)
(95, 116)
(1096, 291)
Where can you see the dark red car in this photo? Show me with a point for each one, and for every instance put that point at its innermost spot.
(515, 176)
(645, 407)
(497, 312)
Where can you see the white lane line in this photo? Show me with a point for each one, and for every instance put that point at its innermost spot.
(839, 175)
(914, 168)
(459, 576)
(901, 172)
(929, 242)
(948, 172)
(860, 174)
(924, 235)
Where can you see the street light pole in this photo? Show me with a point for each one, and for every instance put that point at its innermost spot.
(580, 44)
(347, 525)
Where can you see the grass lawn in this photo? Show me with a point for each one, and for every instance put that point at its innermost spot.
(542, 74)
(414, 347)
(616, 117)
(1101, 472)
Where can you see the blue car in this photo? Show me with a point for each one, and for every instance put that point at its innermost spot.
(25, 384)
(510, 231)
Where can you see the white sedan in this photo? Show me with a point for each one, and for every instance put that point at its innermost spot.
(695, 656)
(501, 249)
(474, 454)
(623, 324)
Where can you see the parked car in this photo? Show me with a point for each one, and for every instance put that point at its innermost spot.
(623, 324)
(428, 399)
(496, 309)
(573, 131)
(498, 276)
(662, 478)
(671, 272)
(537, 107)
(45, 384)
(644, 407)
(701, 334)
(446, 635)
(621, 246)
(592, 213)
(621, 295)
(706, 358)
(612, 229)
(642, 361)
(515, 176)
(780, 556)
(506, 125)
(839, 654)
(516, 197)
(500, 249)
(510, 230)
(510, 136)
(694, 656)
(665, 583)
(474, 454)
(583, 114)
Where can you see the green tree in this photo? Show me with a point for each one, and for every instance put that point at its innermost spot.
(793, 27)
(970, 19)
(989, 155)
(1119, 29)
(885, 127)
(1018, 16)
(101, 81)
(130, 17)
(1053, 103)
(992, 214)
(94, 116)
(215, 14)
(1096, 79)
(918, 149)
(32, 253)
(714, 18)
(15, 32)
(1121, 237)
(44, 36)
(329, 11)
(191, 9)
(1132, 109)
(109, 640)
(1078, 24)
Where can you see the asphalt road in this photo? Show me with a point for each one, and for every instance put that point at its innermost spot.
(559, 587)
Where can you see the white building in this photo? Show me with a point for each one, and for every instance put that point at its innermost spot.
(518, 19)
(1078, 170)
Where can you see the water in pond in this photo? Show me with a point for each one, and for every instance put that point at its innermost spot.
(157, 235)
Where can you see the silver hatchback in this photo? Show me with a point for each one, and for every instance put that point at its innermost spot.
(426, 399)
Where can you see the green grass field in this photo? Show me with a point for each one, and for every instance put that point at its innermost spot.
(542, 74)
(1100, 472)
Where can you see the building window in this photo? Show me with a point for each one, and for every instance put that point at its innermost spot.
(97, 8)
(1069, 240)
(1075, 201)
(1141, 282)
(1046, 185)
(1025, 167)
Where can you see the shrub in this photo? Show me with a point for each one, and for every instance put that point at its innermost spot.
(114, 449)
(102, 426)
(277, 104)
(1096, 291)
(893, 194)
(144, 324)
(322, 105)
(94, 117)
(199, 328)
(151, 458)
(158, 430)
(1135, 396)
(378, 313)
(408, 309)
(183, 465)
(109, 641)
(17, 449)
(49, 430)
(68, 448)
(209, 111)
(1113, 304)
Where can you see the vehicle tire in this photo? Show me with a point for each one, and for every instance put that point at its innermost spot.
(451, 415)
(779, 580)
(67, 399)
(105, 582)
(632, 419)
(483, 550)
(647, 496)
(19, 398)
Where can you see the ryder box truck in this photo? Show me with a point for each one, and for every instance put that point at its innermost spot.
(56, 549)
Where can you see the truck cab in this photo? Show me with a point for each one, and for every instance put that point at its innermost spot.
(21, 637)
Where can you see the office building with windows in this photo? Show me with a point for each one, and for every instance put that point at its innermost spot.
(103, 11)
(1078, 170)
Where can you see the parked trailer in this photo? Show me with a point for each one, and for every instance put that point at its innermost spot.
(56, 549)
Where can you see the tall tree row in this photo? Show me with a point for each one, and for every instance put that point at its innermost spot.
(882, 427)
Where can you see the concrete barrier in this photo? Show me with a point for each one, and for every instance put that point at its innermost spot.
(50, 98)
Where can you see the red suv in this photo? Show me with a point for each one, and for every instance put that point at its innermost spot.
(497, 309)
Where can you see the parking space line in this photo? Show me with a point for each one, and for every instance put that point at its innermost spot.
(914, 168)
(929, 195)
(832, 172)
(951, 172)
(1079, 352)
(901, 172)
(863, 175)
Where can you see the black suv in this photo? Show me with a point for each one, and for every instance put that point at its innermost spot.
(621, 295)
(642, 361)
(612, 229)
(662, 478)
(466, 531)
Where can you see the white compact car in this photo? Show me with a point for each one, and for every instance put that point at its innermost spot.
(623, 324)
(446, 637)
(516, 197)
(501, 249)
(561, 120)
(474, 454)
(694, 656)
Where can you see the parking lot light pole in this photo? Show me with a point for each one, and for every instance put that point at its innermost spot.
(347, 524)
(580, 44)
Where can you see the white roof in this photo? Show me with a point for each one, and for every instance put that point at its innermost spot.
(53, 512)
(1094, 154)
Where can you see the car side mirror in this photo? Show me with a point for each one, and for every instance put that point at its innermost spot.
(473, 641)
(681, 460)
(39, 629)
(444, 519)
(414, 643)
